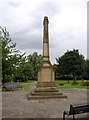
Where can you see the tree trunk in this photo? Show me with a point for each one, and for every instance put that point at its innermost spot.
(68, 78)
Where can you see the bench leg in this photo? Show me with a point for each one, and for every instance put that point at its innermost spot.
(63, 115)
(73, 116)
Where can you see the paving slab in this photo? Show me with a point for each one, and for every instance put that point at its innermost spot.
(16, 105)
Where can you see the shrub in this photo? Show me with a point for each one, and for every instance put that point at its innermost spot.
(74, 82)
(61, 84)
(85, 83)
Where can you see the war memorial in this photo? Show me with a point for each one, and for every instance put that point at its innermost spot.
(16, 105)
(46, 87)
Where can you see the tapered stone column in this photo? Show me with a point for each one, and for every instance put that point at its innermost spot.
(46, 87)
(46, 72)
(45, 40)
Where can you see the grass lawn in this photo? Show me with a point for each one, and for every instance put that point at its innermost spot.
(25, 85)
(59, 84)
(65, 84)
(29, 81)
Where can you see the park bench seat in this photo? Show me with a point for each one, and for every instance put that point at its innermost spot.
(11, 85)
(76, 109)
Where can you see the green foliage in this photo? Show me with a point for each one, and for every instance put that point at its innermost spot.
(70, 65)
(35, 60)
(26, 71)
(26, 87)
(87, 66)
(8, 48)
(16, 67)
(85, 74)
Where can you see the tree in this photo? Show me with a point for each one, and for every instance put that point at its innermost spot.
(35, 60)
(71, 64)
(24, 71)
(8, 48)
(87, 66)
(86, 72)
(16, 60)
(14, 65)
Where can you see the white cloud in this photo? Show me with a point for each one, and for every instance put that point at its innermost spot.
(67, 24)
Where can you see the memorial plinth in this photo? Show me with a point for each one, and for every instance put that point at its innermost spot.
(46, 87)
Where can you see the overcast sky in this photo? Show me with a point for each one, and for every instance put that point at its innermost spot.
(67, 24)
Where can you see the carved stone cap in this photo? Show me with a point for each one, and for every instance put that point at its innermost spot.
(45, 18)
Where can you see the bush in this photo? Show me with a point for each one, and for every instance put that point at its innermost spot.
(74, 83)
(61, 84)
(65, 77)
(85, 83)
(8, 78)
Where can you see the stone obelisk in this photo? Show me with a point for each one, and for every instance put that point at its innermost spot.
(45, 40)
(45, 87)
(46, 73)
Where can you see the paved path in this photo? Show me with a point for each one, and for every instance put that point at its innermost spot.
(16, 105)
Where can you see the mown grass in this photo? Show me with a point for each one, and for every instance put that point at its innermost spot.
(65, 84)
(25, 85)
(29, 81)
(59, 84)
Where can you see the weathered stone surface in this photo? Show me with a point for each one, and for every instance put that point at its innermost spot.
(46, 93)
(45, 96)
(45, 87)
(46, 74)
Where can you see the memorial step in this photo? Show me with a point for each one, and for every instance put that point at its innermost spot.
(46, 90)
(46, 93)
(30, 97)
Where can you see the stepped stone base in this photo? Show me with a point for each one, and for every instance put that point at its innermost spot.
(45, 95)
(45, 91)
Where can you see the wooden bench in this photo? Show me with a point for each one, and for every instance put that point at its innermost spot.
(76, 109)
(11, 85)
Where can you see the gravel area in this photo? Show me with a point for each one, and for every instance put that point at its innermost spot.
(16, 105)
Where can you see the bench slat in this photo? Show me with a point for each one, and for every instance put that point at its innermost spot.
(11, 85)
